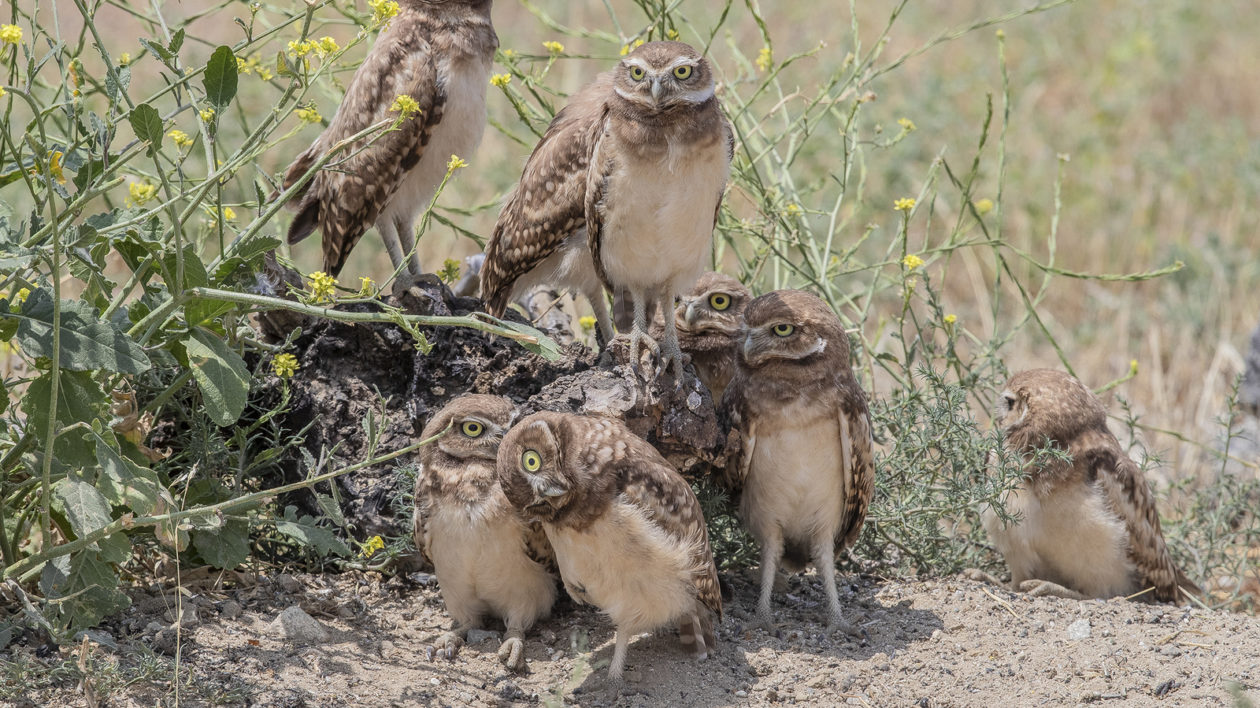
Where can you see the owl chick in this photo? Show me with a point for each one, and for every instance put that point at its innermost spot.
(627, 530)
(1086, 527)
(709, 319)
(488, 560)
(438, 53)
(622, 192)
(801, 447)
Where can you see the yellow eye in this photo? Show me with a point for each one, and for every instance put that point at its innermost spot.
(719, 301)
(783, 330)
(637, 73)
(682, 73)
(472, 428)
(531, 461)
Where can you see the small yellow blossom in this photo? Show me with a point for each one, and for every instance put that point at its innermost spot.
(911, 262)
(553, 47)
(55, 167)
(951, 319)
(1000, 34)
(180, 138)
(323, 286)
(138, 193)
(374, 544)
(984, 206)
(328, 45)
(21, 295)
(672, 35)
(906, 124)
(3, 93)
(242, 66)
(1133, 367)
(455, 163)
(404, 104)
(586, 322)
(500, 80)
(10, 34)
(765, 59)
(904, 204)
(124, 59)
(310, 114)
(626, 49)
(207, 114)
(367, 286)
(793, 209)
(284, 365)
(509, 53)
(450, 271)
(229, 213)
(300, 48)
(383, 10)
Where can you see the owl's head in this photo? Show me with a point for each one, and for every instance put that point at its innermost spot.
(792, 327)
(551, 466)
(470, 428)
(711, 315)
(1043, 404)
(658, 76)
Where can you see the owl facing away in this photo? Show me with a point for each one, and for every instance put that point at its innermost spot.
(800, 449)
(488, 561)
(439, 54)
(621, 193)
(1086, 527)
(627, 530)
(709, 319)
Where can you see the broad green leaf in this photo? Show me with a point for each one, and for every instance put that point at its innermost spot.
(79, 399)
(148, 125)
(220, 77)
(113, 87)
(4, 397)
(177, 41)
(85, 507)
(305, 530)
(85, 587)
(544, 346)
(159, 52)
(226, 548)
(221, 375)
(123, 482)
(87, 343)
(195, 275)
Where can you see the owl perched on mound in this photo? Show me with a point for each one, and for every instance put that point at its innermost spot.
(709, 319)
(801, 447)
(488, 561)
(438, 53)
(627, 530)
(622, 192)
(1086, 527)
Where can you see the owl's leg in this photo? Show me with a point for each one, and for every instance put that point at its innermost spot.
(771, 552)
(619, 655)
(693, 637)
(638, 333)
(512, 650)
(603, 323)
(407, 240)
(671, 353)
(982, 577)
(447, 645)
(1047, 588)
(389, 234)
(825, 559)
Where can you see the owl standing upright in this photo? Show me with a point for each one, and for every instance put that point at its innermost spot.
(627, 530)
(709, 319)
(488, 561)
(1086, 527)
(437, 52)
(622, 192)
(801, 446)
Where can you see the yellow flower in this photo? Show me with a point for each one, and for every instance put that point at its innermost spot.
(229, 213)
(904, 204)
(1133, 367)
(586, 322)
(138, 193)
(906, 124)
(242, 66)
(284, 365)
(374, 544)
(911, 262)
(309, 114)
(671, 35)
(500, 80)
(367, 286)
(323, 286)
(21, 295)
(765, 59)
(328, 45)
(554, 47)
(951, 319)
(10, 34)
(455, 163)
(300, 48)
(55, 168)
(124, 59)
(404, 104)
(626, 49)
(1000, 34)
(207, 114)
(450, 271)
(3, 93)
(180, 138)
(509, 53)
(984, 206)
(793, 209)
(383, 10)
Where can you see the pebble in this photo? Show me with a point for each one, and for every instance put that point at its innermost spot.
(296, 626)
(477, 636)
(231, 609)
(1079, 629)
(288, 583)
(741, 693)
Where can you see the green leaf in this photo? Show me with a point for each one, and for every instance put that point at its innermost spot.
(158, 51)
(226, 548)
(79, 398)
(86, 342)
(543, 345)
(148, 125)
(177, 41)
(305, 530)
(85, 587)
(221, 375)
(123, 482)
(220, 77)
(85, 507)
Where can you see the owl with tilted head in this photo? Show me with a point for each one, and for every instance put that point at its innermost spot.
(710, 318)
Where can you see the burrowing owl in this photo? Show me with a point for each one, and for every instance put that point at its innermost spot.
(709, 320)
(627, 530)
(802, 447)
(622, 192)
(488, 560)
(1086, 527)
(437, 52)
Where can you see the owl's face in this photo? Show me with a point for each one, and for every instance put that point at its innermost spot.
(471, 428)
(531, 468)
(792, 327)
(1043, 404)
(659, 76)
(711, 316)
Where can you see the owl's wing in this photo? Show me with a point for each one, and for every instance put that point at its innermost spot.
(423, 505)
(602, 165)
(549, 203)
(665, 497)
(344, 199)
(857, 448)
(741, 438)
(1130, 498)
(728, 138)
(538, 548)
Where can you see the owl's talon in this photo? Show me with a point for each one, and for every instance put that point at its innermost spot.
(512, 654)
(980, 576)
(446, 646)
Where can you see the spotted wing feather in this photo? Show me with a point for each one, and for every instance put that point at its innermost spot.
(855, 425)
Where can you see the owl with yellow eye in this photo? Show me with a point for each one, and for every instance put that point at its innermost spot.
(488, 561)
(708, 319)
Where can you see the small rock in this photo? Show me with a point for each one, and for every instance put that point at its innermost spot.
(105, 639)
(187, 616)
(422, 578)
(166, 641)
(477, 636)
(1171, 650)
(741, 693)
(153, 628)
(231, 609)
(1079, 629)
(288, 583)
(298, 627)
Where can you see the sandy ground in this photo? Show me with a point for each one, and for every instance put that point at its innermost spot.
(949, 642)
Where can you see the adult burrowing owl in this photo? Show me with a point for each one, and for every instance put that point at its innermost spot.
(801, 445)
(709, 320)
(627, 530)
(1086, 527)
(622, 192)
(488, 560)
(438, 53)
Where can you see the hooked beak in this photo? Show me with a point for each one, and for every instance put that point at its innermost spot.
(748, 346)
(656, 90)
(684, 314)
(544, 492)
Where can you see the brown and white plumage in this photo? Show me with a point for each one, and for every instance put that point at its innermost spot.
(628, 532)
(709, 319)
(1087, 525)
(802, 455)
(438, 53)
(488, 561)
(622, 191)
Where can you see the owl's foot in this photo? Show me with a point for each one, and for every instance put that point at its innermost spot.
(512, 654)
(837, 624)
(764, 622)
(1046, 588)
(446, 646)
(982, 577)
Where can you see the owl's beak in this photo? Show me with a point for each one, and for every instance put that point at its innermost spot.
(656, 90)
(685, 313)
(749, 347)
(544, 491)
